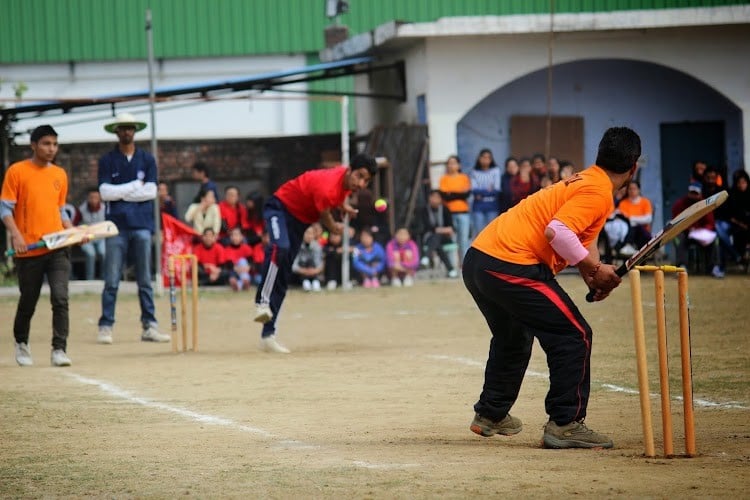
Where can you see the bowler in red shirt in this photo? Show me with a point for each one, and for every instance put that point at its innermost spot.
(287, 214)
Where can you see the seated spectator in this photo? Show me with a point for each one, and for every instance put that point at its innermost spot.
(732, 221)
(308, 265)
(616, 230)
(255, 223)
(333, 252)
(702, 232)
(240, 254)
(369, 259)
(402, 256)
(640, 214)
(205, 213)
(438, 231)
(259, 254)
(233, 213)
(211, 260)
(92, 211)
(166, 203)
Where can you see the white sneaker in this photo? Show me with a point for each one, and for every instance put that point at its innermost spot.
(151, 334)
(716, 272)
(59, 358)
(331, 285)
(408, 281)
(23, 354)
(306, 285)
(270, 344)
(315, 285)
(396, 282)
(105, 335)
(628, 250)
(425, 261)
(453, 273)
(263, 313)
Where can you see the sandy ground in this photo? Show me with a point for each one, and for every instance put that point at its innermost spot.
(374, 402)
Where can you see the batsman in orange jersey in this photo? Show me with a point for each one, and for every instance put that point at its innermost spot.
(510, 272)
(31, 205)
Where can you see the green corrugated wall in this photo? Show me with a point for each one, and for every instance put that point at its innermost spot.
(38, 31)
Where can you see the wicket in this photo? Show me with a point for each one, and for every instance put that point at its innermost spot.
(183, 259)
(640, 350)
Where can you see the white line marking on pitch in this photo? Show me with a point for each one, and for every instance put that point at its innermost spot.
(705, 403)
(287, 444)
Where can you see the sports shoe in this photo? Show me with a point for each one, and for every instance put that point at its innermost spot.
(716, 272)
(485, 427)
(573, 435)
(306, 285)
(367, 283)
(270, 344)
(59, 358)
(453, 273)
(23, 354)
(263, 313)
(408, 281)
(628, 250)
(375, 283)
(105, 335)
(425, 261)
(152, 334)
(396, 282)
(331, 285)
(315, 285)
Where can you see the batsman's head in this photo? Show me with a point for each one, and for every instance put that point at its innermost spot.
(619, 150)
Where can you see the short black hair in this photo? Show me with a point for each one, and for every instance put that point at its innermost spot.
(363, 160)
(209, 230)
(538, 156)
(41, 131)
(201, 167)
(619, 150)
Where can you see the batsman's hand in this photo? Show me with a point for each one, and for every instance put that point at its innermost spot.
(602, 279)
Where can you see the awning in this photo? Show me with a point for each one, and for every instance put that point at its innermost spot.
(260, 82)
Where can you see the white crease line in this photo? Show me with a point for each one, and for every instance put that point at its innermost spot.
(705, 403)
(287, 444)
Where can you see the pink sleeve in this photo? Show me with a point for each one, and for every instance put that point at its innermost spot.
(566, 243)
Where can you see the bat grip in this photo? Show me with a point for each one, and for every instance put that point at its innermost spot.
(31, 246)
(621, 271)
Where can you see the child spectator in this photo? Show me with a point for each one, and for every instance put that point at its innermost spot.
(369, 259)
(259, 253)
(211, 260)
(553, 169)
(166, 203)
(255, 224)
(523, 184)
(438, 231)
(566, 169)
(89, 212)
(455, 188)
(233, 213)
(205, 213)
(485, 187)
(240, 254)
(511, 171)
(640, 214)
(333, 253)
(402, 256)
(308, 264)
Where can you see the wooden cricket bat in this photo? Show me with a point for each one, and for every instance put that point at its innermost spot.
(72, 236)
(671, 230)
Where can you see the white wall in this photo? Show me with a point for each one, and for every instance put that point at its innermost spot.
(283, 115)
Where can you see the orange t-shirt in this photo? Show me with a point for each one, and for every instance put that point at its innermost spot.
(39, 193)
(581, 202)
(458, 183)
(630, 209)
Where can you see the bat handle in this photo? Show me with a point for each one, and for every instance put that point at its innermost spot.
(590, 295)
(621, 271)
(31, 246)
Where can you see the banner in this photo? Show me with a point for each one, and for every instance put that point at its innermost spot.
(177, 238)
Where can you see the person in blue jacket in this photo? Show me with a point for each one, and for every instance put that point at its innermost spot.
(369, 259)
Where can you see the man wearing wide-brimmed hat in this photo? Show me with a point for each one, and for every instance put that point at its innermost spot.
(127, 182)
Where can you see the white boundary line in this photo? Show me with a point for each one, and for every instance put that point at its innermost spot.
(704, 403)
(288, 444)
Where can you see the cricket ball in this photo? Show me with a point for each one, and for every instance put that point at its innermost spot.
(381, 205)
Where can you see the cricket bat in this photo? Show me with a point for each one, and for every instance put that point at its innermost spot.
(72, 236)
(671, 230)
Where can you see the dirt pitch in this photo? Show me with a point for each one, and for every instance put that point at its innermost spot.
(374, 402)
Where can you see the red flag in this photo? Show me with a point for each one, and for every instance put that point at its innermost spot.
(177, 239)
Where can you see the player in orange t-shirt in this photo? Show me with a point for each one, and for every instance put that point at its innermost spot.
(31, 205)
(510, 272)
(287, 214)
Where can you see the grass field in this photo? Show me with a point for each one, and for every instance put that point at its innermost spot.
(374, 402)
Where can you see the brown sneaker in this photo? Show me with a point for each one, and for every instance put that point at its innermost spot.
(573, 435)
(485, 427)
